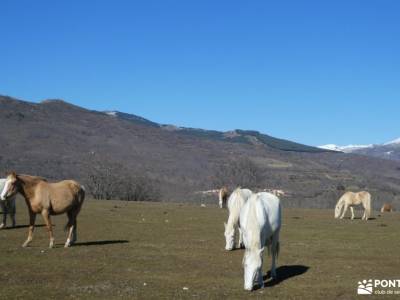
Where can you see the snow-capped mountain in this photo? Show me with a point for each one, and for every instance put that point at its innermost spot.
(389, 150)
(394, 142)
(346, 149)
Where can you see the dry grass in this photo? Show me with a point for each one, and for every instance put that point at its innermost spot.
(158, 251)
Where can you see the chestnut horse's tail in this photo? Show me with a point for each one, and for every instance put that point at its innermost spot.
(81, 195)
(80, 198)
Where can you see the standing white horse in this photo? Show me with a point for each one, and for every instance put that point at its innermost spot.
(350, 199)
(7, 206)
(260, 219)
(235, 203)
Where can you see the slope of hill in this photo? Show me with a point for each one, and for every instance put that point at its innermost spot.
(58, 140)
(236, 136)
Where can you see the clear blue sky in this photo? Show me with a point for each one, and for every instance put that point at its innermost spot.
(311, 71)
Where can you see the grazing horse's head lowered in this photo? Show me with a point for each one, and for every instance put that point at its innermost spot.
(260, 219)
(349, 200)
(338, 208)
(252, 264)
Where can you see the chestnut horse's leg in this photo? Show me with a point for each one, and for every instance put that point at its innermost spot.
(32, 218)
(71, 228)
(47, 220)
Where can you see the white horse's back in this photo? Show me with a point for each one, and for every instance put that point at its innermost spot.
(238, 198)
(267, 215)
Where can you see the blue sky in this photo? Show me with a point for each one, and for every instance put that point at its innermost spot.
(315, 72)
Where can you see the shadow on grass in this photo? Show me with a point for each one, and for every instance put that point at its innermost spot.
(284, 273)
(22, 226)
(359, 218)
(100, 243)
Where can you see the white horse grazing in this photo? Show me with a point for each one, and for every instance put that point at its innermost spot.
(235, 203)
(7, 206)
(350, 199)
(260, 219)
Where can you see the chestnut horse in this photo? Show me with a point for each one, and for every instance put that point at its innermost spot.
(46, 198)
(387, 207)
(223, 196)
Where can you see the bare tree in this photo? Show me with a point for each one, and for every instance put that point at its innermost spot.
(239, 172)
(140, 188)
(102, 180)
(108, 180)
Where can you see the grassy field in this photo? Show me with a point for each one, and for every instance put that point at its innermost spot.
(173, 251)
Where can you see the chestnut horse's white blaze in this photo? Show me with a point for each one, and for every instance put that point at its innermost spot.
(350, 199)
(232, 228)
(7, 205)
(48, 199)
(260, 221)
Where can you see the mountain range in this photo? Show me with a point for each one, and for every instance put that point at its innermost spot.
(58, 140)
(389, 150)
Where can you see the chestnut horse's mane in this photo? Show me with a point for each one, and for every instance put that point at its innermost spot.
(31, 178)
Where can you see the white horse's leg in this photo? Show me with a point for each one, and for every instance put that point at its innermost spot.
(4, 210)
(13, 211)
(241, 244)
(274, 253)
(236, 234)
(346, 207)
(352, 212)
(365, 214)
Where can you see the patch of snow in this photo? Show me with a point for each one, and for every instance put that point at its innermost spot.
(346, 149)
(396, 141)
(171, 127)
(111, 113)
(331, 147)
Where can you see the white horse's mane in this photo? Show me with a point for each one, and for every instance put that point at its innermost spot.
(252, 226)
(235, 203)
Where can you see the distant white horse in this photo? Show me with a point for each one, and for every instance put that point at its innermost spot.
(7, 206)
(350, 199)
(235, 203)
(260, 219)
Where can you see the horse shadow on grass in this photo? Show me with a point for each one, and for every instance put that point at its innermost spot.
(100, 243)
(360, 218)
(284, 273)
(22, 226)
